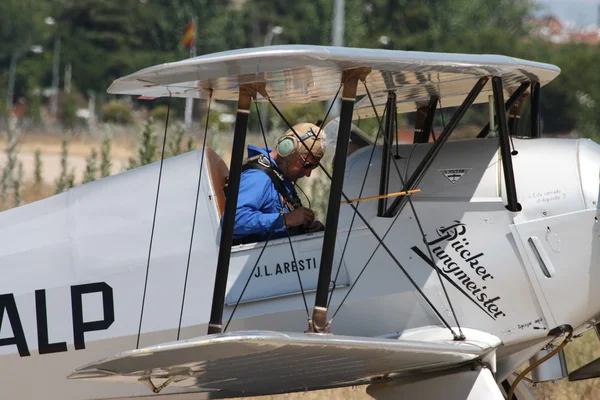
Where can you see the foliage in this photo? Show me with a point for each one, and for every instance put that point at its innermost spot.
(34, 108)
(147, 149)
(18, 184)
(159, 113)
(105, 162)
(68, 115)
(37, 172)
(175, 141)
(107, 39)
(8, 179)
(62, 182)
(117, 112)
(91, 167)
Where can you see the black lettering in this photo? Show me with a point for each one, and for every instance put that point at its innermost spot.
(315, 261)
(501, 314)
(7, 302)
(267, 271)
(456, 245)
(41, 316)
(447, 268)
(308, 261)
(301, 265)
(449, 233)
(473, 258)
(108, 306)
(493, 308)
(278, 270)
(482, 297)
(479, 290)
(487, 303)
(480, 270)
(462, 276)
(462, 253)
(471, 285)
(294, 268)
(257, 273)
(486, 276)
(286, 267)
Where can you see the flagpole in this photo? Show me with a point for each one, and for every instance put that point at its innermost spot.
(189, 102)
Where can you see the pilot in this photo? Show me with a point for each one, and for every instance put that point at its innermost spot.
(267, 199)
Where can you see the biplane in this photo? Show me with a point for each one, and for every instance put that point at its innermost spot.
(130, 287)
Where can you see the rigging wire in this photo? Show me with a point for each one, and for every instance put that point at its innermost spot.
(379, 130)
(461, 336)
(305, 196)
(162, 157)
(187, 269)
(370, 228)
(262, 129)
(237, 303)
(423, 235)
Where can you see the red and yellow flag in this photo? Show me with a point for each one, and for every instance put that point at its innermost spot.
(189, 36)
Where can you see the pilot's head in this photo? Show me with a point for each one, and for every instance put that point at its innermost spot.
(294, 157)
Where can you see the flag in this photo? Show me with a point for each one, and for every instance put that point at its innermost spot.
(189, 36)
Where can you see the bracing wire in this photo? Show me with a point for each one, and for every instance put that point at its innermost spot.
(421, 227)
(162, 157)
(262, 129)
(337, 273)
(237, 303)
(187, 269)
(370, 228)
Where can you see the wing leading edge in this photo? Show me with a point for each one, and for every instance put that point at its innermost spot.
(264, 362)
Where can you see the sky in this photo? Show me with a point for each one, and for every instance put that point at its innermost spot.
(582, 12)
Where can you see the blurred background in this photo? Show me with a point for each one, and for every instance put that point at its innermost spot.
(59, 128)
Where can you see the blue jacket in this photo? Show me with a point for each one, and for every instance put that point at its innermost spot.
(259, 203)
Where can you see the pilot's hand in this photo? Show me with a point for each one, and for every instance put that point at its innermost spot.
(315, 226)
(299, 216)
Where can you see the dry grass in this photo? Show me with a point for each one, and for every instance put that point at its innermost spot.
(580, 352)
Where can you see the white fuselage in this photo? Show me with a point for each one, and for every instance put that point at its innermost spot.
(75, 273)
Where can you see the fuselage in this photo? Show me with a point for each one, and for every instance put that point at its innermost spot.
(79, 282)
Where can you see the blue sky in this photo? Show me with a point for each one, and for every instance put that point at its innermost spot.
(581, 12)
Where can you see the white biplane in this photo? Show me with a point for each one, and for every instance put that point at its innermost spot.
(129, 287)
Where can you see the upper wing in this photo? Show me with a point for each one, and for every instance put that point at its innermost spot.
(304, 74)
(262, 362)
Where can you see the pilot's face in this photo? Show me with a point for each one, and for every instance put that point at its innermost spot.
(300, 167)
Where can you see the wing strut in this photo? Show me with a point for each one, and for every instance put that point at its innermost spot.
(422, 168)
(350, 78)
(246, 93)
(509, 176)
(370, 228)
(536, 109)
(509, 103)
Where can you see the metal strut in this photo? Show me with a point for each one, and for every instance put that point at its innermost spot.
(422, 168)
(388, 134)
(350, 78)
(509, 177)
(246, 93)
(369, 227)
(509, 103)
(536, 110)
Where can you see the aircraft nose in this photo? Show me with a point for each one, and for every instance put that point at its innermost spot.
(589, 170)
